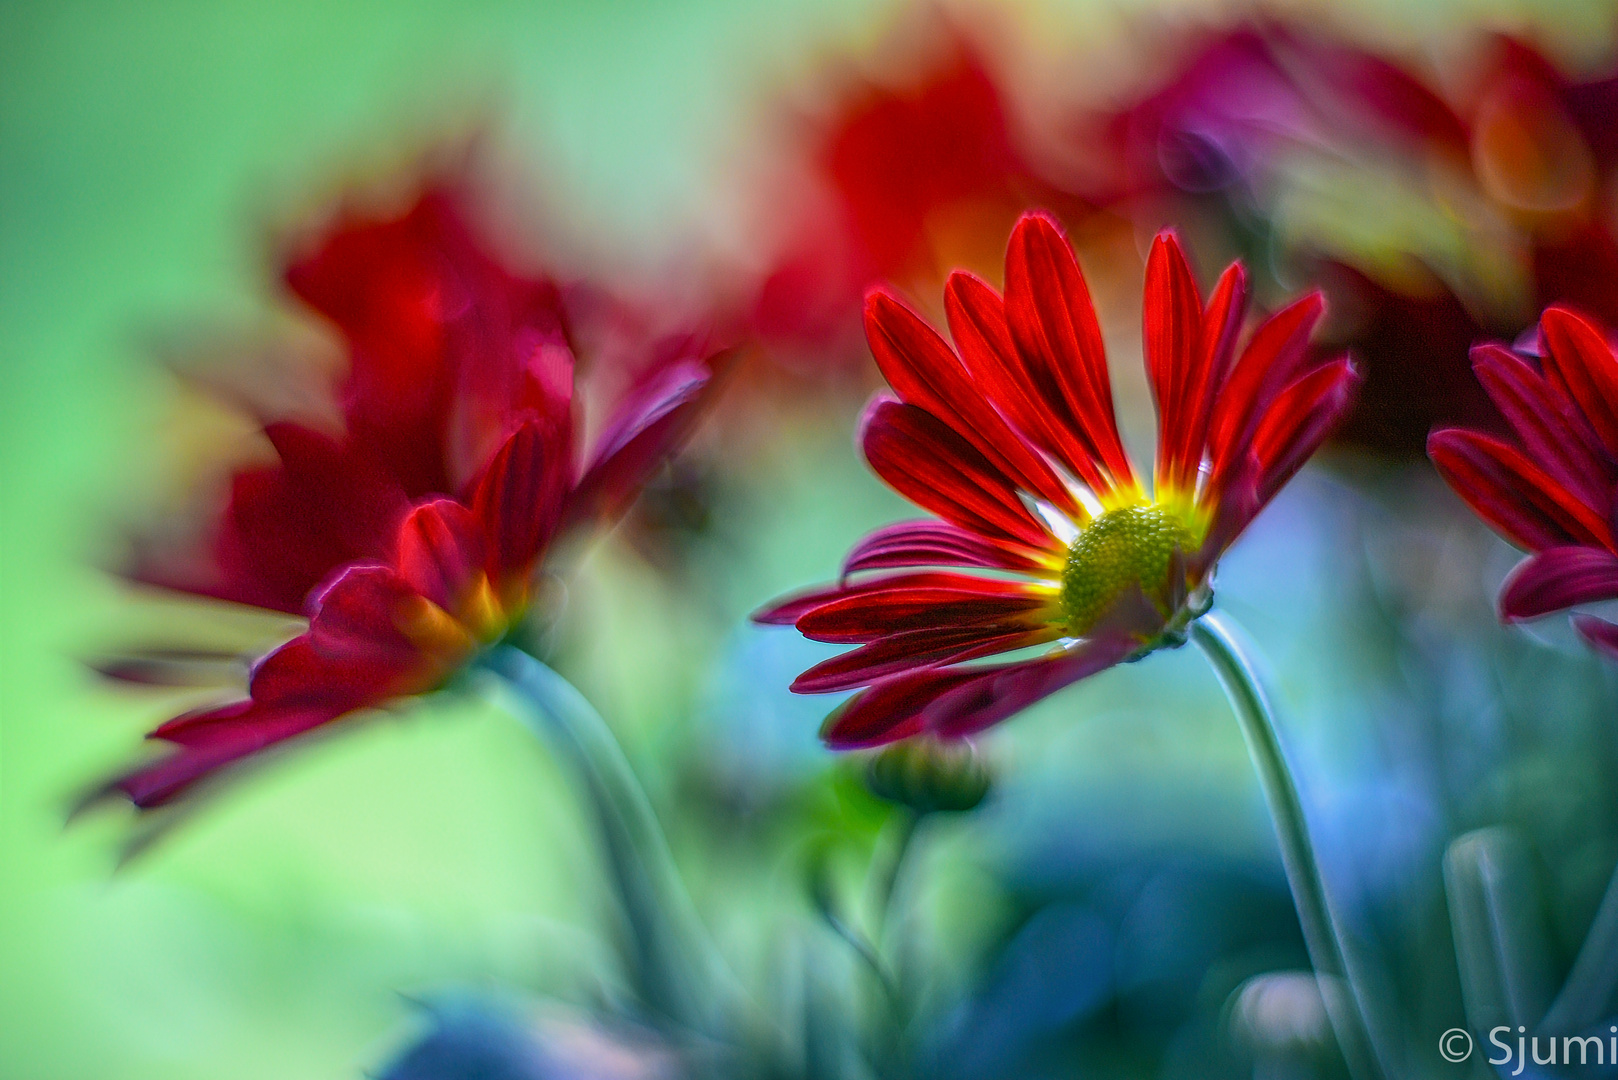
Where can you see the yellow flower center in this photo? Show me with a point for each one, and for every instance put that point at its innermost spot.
(1124, 547)
(481, 617)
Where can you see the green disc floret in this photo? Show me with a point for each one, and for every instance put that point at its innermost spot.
(1130, 545)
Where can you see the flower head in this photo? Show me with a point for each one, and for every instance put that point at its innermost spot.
(411, 538)
(1009, 438)
(1554, 490)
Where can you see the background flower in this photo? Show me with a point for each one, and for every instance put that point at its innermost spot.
(412, 536)
(1556, 490)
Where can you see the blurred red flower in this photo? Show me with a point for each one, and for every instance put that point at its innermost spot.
(1010, 438)
(1431, 215)
(913, 178)
(1554, 491)
(411, 537)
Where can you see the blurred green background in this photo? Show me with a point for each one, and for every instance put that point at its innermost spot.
(142, 148)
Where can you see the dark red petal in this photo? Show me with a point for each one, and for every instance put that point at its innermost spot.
(935, 543)
(1221, 325)
(1581, 359)
(869, 610)
(1544, 419)
(977, 321)
(438, 335)
(297, 671)
(1512, 494)
(518, 499)
(357, 613)
(790, 608)
(287, 526)
(1053, 322)
(520, 378)
(220, 737)
(985, 701)
(1172, 330)
(920, 457)
(953, 702)
(440, 548)
(1600, 633)
(923, 370)
(1268, 364)
(1559, 578)
(301, 671)
(915, 649)
(1297, 422)
(647, 427)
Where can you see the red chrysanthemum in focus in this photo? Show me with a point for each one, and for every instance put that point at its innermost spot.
(1011, 440)
(1554, 491)
(411, 538)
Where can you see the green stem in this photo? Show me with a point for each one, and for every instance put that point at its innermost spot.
(889, 880)
(676, 966)
(1218, 643)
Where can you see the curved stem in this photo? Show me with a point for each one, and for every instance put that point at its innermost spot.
(1247, 699)
(676, 965)
(889, 880)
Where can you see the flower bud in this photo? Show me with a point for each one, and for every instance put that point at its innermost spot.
(928, 774)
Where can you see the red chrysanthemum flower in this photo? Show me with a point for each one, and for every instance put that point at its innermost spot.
(1011, 440)
(411, 538)
(1555, 492)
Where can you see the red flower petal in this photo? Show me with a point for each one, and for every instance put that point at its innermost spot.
(1299, 420)
(977, 322)
(915, 649)
(923, 370)
(219, 737)
(1554, 435)
(920, 457)
(1556, 579)
(1581, 359)
(287, 525)
(1600, 633)
(954, 702)
(1221, 326)
(1512, 494)
(646, 427)
(1172, 332)
(1268, 364)
(792, 607)
(357, 614)
(935, 543)
(1053, 322)
(518, 498)
(440, 548)
(869, 610)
